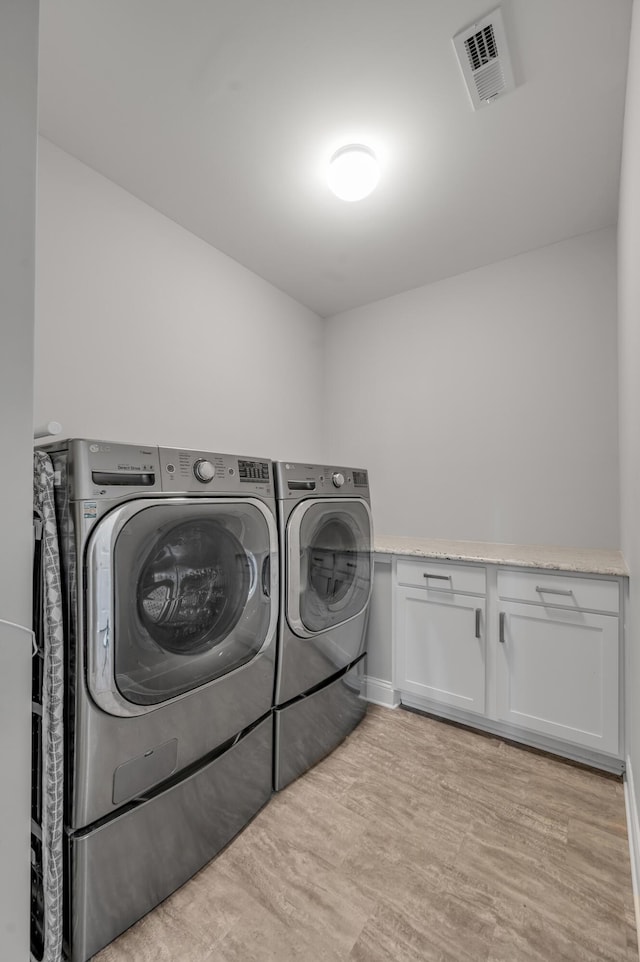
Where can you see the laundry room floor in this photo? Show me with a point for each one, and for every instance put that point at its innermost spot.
(415, 841)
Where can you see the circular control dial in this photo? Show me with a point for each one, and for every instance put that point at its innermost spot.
(204, 470)
(338, 479)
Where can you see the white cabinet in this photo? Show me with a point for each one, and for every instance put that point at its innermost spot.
(440, 653)
(534, 655)
(557, 661)
(379, 639)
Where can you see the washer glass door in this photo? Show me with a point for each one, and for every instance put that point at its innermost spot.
(191, 595)
(329, 563)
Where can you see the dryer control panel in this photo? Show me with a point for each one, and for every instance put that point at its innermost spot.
(295, 481)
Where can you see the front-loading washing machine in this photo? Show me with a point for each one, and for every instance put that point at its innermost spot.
(326, 572)
(170, 563)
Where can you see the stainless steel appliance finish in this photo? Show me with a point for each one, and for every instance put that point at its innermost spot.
(310, 727)
(147, 851)
(171, 565)
(326, 567)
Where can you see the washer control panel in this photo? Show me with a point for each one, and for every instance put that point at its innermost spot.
(203, 472)
(105, 470)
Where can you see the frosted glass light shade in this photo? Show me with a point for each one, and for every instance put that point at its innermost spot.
(353, 172)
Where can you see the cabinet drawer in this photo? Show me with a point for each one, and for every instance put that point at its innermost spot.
(442, 577)
(552, 589)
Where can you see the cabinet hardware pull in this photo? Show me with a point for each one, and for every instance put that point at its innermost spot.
(503, 616)
(438, 577)
(478, 611)
(553, 591)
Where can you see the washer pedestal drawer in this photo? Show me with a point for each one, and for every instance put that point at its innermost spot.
(122, 868)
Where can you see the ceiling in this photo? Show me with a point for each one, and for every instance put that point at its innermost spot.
(222, 115)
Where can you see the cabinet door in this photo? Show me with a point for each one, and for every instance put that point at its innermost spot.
(440, 656)
(557, 674)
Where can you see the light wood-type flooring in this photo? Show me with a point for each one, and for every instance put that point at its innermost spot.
(415, 841)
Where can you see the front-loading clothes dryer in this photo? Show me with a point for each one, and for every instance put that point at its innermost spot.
(170, 559)
(326, 569)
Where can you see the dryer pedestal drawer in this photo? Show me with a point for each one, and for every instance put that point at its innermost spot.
(124, 867)
(311, 727)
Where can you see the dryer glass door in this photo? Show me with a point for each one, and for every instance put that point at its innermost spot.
(329, 563)
(191, 594)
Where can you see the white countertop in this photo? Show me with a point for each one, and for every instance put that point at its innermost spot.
(600, 561)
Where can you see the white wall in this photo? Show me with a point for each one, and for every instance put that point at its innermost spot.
(18, 101)
(629, 337)
(485, 405)
(145, 333)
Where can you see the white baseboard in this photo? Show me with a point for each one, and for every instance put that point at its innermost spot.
(633, 831)
(381, 692)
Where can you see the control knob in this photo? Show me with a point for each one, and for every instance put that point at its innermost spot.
(204, 470)
(338, 479)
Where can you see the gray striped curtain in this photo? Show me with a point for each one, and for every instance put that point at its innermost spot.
(52, 707)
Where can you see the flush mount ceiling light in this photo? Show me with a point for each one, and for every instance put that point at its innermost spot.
(353, 172)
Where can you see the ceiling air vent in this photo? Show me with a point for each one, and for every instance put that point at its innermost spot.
(484, 59)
